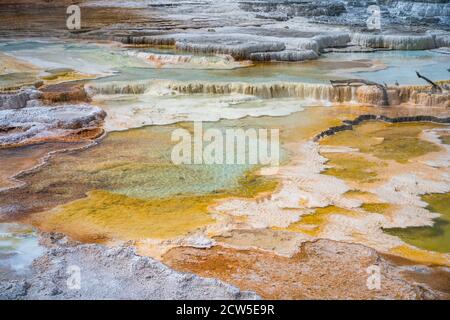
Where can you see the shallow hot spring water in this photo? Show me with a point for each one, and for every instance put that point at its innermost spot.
(130, 172)
(90, 58)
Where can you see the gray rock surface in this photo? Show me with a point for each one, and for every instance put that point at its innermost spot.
(296, 8)
(396, 42)
(110, 273)
(238, 46)
(332, 40)
(18, 100)
(405, 25)
(19, 125)
(395, 13)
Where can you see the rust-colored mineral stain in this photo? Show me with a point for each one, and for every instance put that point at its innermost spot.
(15, 160)
(330, 270)
(267, 274)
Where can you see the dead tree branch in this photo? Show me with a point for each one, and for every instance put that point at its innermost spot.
(436, 87)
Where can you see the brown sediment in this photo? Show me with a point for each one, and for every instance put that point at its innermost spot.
(445, 139)
(77, 135)
(437, 278)
(85, 134)
(17, 198)
(322, 269)
(370, 95)
(20, 159)
(11, 64)
(104, 216)
(55, 184)
(64, 92)
(25, 19)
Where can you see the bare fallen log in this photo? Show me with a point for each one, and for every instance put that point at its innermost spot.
(363, 82)
(353, 83)
(436, 88)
